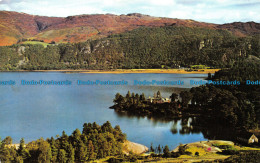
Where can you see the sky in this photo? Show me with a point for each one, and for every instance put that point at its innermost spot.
(212, 11)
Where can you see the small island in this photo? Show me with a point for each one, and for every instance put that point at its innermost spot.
(156, 106)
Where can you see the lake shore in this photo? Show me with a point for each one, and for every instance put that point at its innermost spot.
(128, 71)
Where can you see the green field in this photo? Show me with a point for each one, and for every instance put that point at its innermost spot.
(35, 42)
(200, 67)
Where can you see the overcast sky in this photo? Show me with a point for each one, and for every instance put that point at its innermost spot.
(214, 11)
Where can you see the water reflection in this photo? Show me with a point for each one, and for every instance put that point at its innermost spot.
(189, 126)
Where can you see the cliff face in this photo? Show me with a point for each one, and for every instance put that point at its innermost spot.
(15, 26)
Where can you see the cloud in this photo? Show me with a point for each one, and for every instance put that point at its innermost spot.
(217, 11)
(10, 1)
(246, 4)
(189, 2)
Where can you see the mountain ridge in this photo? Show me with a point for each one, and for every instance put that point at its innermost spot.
(15, 26)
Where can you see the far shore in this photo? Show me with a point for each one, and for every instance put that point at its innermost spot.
(130, 71)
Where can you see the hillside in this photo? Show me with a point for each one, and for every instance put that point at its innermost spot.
(16, 26)
(142, 48)
(242, 29)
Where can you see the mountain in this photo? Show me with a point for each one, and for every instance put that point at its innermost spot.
(16, 26)
(242, 29)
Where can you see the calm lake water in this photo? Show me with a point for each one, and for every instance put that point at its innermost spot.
(32, 112)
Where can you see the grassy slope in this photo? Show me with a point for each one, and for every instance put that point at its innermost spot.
(204, 154)
(35, 42)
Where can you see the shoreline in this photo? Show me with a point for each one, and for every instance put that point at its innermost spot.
(128, 71)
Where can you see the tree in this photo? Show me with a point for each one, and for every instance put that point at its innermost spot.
(13, 153)
(8, 140)
(159, 94)
(137, 98)
(133, 95)
(186, 97)
(128, 95)
(91, 151)
(151, 148)
(81, 152)
(22, 151)
(174, 97)
(166, 151)
(63, 140)
(119, 99)
(76, 137)
(62, 156)
(159, 149)
(5, 154)
(54, 149)
(117, 127)
(71, 154)
(142, 97)
(45, 154)
(182, 149)
(87, 128)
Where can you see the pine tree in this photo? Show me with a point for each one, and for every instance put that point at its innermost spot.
(151, 148)
(22, 151)
(62, 156)
(166, 151)
(45, 154)
(159, 149)
(71, 154)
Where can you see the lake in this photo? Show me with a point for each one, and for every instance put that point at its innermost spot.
(34, 111)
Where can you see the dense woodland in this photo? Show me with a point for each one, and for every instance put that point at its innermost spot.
(235, 106)
(158, 47)
(94, 142)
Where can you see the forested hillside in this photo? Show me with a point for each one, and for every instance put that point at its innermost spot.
(145, 47)
(231, 105)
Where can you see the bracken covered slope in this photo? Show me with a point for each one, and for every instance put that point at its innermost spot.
(16, 26)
